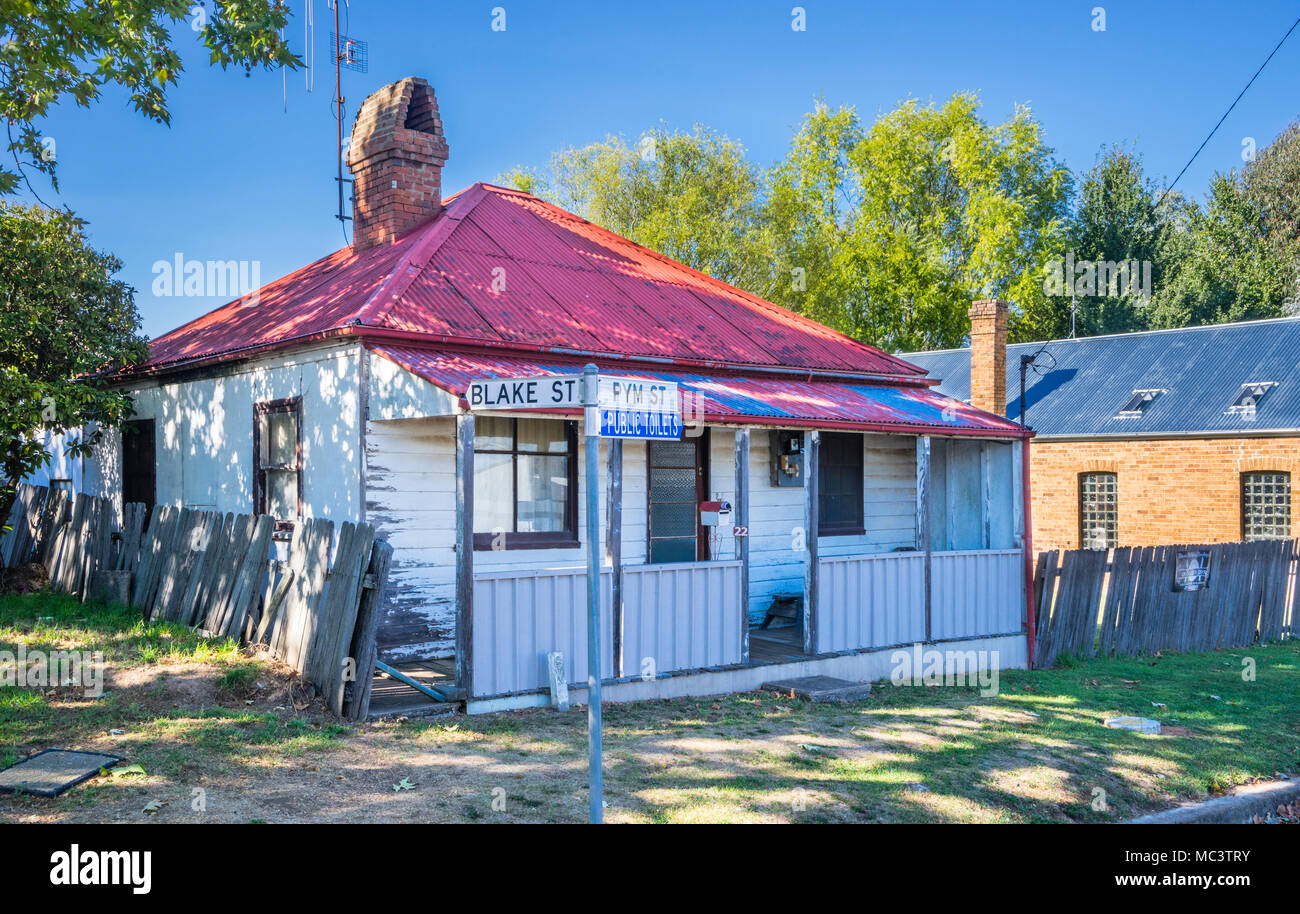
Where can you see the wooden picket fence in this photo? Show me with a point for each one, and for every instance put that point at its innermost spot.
(214, 571)
(1124, 602)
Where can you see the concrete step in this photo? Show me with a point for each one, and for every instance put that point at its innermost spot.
(819, 688)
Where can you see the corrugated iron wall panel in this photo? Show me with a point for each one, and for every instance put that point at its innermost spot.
(680, 616)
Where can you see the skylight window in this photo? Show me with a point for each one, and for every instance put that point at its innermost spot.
(1249, 396)
(1138, 402)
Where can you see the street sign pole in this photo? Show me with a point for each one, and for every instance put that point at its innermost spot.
(591, 415)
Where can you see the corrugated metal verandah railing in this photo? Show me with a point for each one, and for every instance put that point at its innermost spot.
(674, 617)
(214, 571)
(1124, 603)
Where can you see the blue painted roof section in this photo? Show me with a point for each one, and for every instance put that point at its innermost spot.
(1200, 368)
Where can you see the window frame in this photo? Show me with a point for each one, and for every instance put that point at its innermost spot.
(260, 412)
(1083, 538)
(549, 539)
(860, 528)
(1245, 538)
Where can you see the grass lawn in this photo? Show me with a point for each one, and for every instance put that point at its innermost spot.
(223, 736)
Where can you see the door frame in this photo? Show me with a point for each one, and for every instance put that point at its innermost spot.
(701, 494)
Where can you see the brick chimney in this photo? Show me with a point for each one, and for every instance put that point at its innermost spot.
(396, 157)
(988, 355)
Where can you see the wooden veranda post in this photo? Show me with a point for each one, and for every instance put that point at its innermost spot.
(810, 569)
(742, 535)
(923, 515)
(465, 552)
(614, 547)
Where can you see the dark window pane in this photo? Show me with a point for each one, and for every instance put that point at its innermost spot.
(673, 453)
(672, 485)
(672, 550)
(839, 482)
(672, 519)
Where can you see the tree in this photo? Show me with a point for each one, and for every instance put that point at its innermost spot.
(1115, 224)
(66, 318)
(900, 226)
(52, 49)
(1221, 265)
(690, 196)
(1271, 183)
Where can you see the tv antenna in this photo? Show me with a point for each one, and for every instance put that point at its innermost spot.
(352, 54)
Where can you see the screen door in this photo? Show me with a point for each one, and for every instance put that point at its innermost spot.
(678, 483)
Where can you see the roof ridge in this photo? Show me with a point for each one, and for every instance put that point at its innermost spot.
(421, 254)
(805, 322)
(1126, 334)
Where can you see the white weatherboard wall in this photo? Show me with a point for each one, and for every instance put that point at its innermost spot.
(411, 500)
(204, 435)
(889, 512)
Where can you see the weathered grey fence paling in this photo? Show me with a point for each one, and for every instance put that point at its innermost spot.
(213, 570)
(1125, 602)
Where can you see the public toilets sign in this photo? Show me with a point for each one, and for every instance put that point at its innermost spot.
(641, 408)
(638, 408)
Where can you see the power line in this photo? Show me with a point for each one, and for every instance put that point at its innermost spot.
(1226, 113)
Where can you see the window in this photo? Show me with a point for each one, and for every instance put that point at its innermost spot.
(277, 455)
(1098, 511)
(1137, 403)
(839, 484)
(138, 463)
(1249, 396)
(1265, 506)
(525, 483)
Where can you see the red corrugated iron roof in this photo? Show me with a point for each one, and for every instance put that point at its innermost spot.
(736, 397)
(501, 269)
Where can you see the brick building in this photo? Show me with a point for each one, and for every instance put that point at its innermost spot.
(1168, 436)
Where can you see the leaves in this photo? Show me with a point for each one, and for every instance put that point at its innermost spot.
(126, 771)
(60, 48)
(66, 319)
(404, 784)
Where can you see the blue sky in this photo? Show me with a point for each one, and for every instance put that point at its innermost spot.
(237, 176)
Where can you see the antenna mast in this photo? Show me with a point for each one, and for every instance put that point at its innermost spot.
(353, 54)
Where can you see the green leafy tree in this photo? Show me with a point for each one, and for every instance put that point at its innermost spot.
(56, 49)
(693, 197)
(66, 319)
(65, 316)
(899, 226)
(1221, 265)
(1271, 183)
(1115, 222)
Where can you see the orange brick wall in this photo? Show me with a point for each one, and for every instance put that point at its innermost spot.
(1170, 491)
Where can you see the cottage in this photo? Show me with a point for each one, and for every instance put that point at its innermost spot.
(1168, 436)
(822, 505)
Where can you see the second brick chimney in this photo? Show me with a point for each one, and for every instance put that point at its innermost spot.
(988, 355)
(396, 156)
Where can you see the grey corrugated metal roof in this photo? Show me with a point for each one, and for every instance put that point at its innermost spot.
(1200, 368)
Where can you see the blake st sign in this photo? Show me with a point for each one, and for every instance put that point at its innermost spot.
(558, 392)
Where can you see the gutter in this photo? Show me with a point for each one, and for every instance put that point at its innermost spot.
(381, 334)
